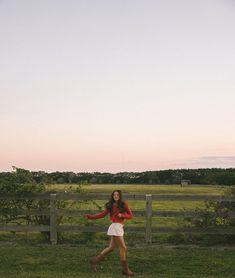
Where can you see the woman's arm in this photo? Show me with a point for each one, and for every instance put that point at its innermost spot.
(128, 214)
(98, 215)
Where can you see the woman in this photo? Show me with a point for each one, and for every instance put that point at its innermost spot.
(119, 211)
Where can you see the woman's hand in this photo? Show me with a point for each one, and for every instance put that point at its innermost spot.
(119, 215)
(87, 216)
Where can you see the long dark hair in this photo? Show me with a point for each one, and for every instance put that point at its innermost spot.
(120, 203)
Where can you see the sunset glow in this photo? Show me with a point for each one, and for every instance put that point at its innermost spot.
(115, 86)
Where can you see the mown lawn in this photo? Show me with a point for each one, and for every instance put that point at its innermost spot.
(70, 261)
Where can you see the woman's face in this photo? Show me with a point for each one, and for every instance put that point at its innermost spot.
(116, 196)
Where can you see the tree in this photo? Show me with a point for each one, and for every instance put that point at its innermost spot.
(19, 182)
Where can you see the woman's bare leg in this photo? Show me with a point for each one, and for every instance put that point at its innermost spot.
(120, 242)
(103, 253)
(110, 248)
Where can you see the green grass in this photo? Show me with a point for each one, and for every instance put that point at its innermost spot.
(174, 222)
(71, 261)
(142, 189)
(26, 255)
(140, 205)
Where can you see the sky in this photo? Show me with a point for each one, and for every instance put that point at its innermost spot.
(115, 86)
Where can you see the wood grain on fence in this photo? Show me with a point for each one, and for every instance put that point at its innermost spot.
(53, 219)
(79, 213)
(100, 196)
(148, 222)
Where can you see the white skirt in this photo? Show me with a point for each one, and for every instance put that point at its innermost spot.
(115, 229)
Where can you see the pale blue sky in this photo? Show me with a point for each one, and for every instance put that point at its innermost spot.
(117, 85)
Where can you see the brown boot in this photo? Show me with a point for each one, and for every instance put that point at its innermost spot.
(125, 269)
(94, 261)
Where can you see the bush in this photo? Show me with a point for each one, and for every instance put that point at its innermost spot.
(19, 182)
(216, 214)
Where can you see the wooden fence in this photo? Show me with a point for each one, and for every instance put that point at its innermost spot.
(53, 213)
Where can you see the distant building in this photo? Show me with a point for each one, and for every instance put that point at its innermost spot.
(185, 182)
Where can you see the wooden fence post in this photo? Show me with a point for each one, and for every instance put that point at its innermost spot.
(148, 218)
(53, 219)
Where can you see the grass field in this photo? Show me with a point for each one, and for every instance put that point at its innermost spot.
(70, 261)
(140, 205)
(143, 189)
(25, 255)
(147, 189)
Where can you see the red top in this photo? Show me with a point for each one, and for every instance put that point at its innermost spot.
(114, 216)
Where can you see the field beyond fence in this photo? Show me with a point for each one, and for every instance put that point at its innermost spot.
(148, 213)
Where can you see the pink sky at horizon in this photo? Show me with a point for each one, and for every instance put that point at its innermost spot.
(119, 86)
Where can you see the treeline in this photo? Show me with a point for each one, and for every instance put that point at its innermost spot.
(214, 176)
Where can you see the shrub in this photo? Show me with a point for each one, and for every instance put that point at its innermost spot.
(19, 182)
(216, 214)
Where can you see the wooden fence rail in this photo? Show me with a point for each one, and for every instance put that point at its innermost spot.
(100, 196)
(53, 213)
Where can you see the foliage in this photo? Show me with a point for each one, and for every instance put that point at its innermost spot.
(215, 214)
(22, 182)
(215, 176)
